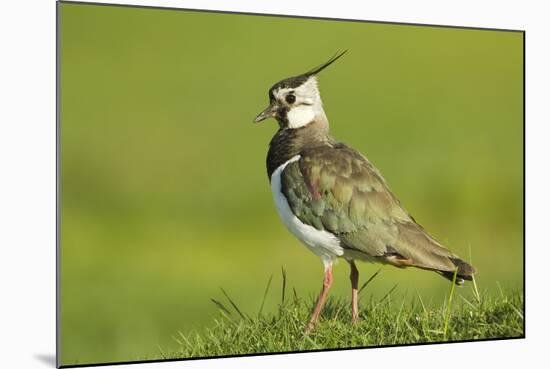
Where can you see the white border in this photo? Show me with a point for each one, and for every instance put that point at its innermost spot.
(27, 184)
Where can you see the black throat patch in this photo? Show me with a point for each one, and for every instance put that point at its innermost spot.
(288, 143)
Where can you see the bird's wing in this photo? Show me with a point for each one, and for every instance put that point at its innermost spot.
(335, 188)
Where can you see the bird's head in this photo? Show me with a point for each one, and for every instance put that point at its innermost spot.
(295, 102)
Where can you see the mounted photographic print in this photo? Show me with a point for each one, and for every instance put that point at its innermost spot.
(240, 184)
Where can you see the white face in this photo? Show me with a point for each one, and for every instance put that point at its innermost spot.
(307, 105)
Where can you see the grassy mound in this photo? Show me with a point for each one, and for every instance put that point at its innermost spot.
(383, 322)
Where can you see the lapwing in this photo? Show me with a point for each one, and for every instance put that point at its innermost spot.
(333, 199)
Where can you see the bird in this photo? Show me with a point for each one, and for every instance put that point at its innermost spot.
(335, 201)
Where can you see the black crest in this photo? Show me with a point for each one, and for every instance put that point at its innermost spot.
(294, 82)
(325, 64)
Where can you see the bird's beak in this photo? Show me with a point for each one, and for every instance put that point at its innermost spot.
(269, 112)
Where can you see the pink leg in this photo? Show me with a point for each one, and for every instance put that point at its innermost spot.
(354, 277)
(327, 282)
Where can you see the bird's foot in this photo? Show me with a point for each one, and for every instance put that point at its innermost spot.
(309, 327)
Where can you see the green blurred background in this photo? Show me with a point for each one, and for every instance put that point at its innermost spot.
(164, 193)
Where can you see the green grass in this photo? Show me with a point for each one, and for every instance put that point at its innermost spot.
(464, 315)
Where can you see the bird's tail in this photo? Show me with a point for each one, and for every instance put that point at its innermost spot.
(464, 271)
(421, 250)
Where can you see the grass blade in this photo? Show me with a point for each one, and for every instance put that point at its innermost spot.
(265, 295)
(221, 306)
(388, 293)
(162, 354)
(449, 305)
(234, 305)
(476, 291)
(369, 280)
(421, 303)
(184, 339)
(385, 297)
(468, 302)
(397, 321)
(283, 272)
(474, 284)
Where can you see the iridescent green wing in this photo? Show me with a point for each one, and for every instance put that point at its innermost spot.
(335, 188)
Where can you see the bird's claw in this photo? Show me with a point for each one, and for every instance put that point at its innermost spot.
(309, 327)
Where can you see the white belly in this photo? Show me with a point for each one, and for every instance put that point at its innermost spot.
(322, 243)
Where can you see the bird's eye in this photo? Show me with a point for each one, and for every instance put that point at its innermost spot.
(290, 99)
